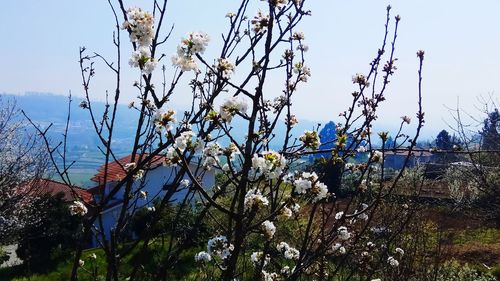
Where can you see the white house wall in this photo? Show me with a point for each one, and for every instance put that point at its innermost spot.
(153, 183)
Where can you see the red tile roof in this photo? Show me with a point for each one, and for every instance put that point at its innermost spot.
(116, 172)
(46, 186)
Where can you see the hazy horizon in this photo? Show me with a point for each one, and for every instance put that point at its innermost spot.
(456, 36)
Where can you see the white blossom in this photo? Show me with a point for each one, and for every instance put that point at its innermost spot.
(143, 194)
(219, 246)
(286, 212)
(339, 215)
(172, 158)
(286, 270)
(377, 156)
(302, 185)
(257, 258)
(225, 66)
(282, 246)
(393, 262)
(342, 250)
(202, 257)
(164, 119)
(185, 63)
(194, 43)
(287, 251)
(310, 139)
(254, 199)
(361, 149)
(343, 234)
(337, 247)
(270, 164)
(77, 208)
(295, 208)
(183, 140)
(399, 251)
(142, 58)
(231, 107)
(260, 22)
(292, 254)
(185, 183)
(320, 191)
(302, 70)
(140, 25)
(292, 121)
(129, 166)
(269, 229)
(139, 174)
(211, 154)
(269, 276)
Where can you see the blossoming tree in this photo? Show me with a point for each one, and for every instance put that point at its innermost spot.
(272, 219)
(23, 161)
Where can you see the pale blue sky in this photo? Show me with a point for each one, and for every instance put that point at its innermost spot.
(39, 49)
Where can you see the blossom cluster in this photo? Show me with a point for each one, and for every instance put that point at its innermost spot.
(140, 25)
(258, 257)
(232, 106)
(185, 140)
(377, 156)
(292, 121)
(338, 248)
(303, 71)
(220, 247)
(164, 119)
(225, 66)
(308, 183)
(260, 22)
(287, 251)
(269, 229)
(310, 140)
(194, 43)
(254, 199)
(142, 58)
(343, 233)
(269, 164)
(77, 208)
(217, 246)
(211, 154)
(393, 262)
(202, 257)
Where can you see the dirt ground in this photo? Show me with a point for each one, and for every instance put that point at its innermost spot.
(476, 253)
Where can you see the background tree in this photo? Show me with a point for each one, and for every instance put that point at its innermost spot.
(482, 172)
(23, 159)
(447, 143)
(491, 131)
(41, 245)
(443, 141)
(323, 162)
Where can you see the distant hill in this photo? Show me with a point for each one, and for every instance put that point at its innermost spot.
(45, 109)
